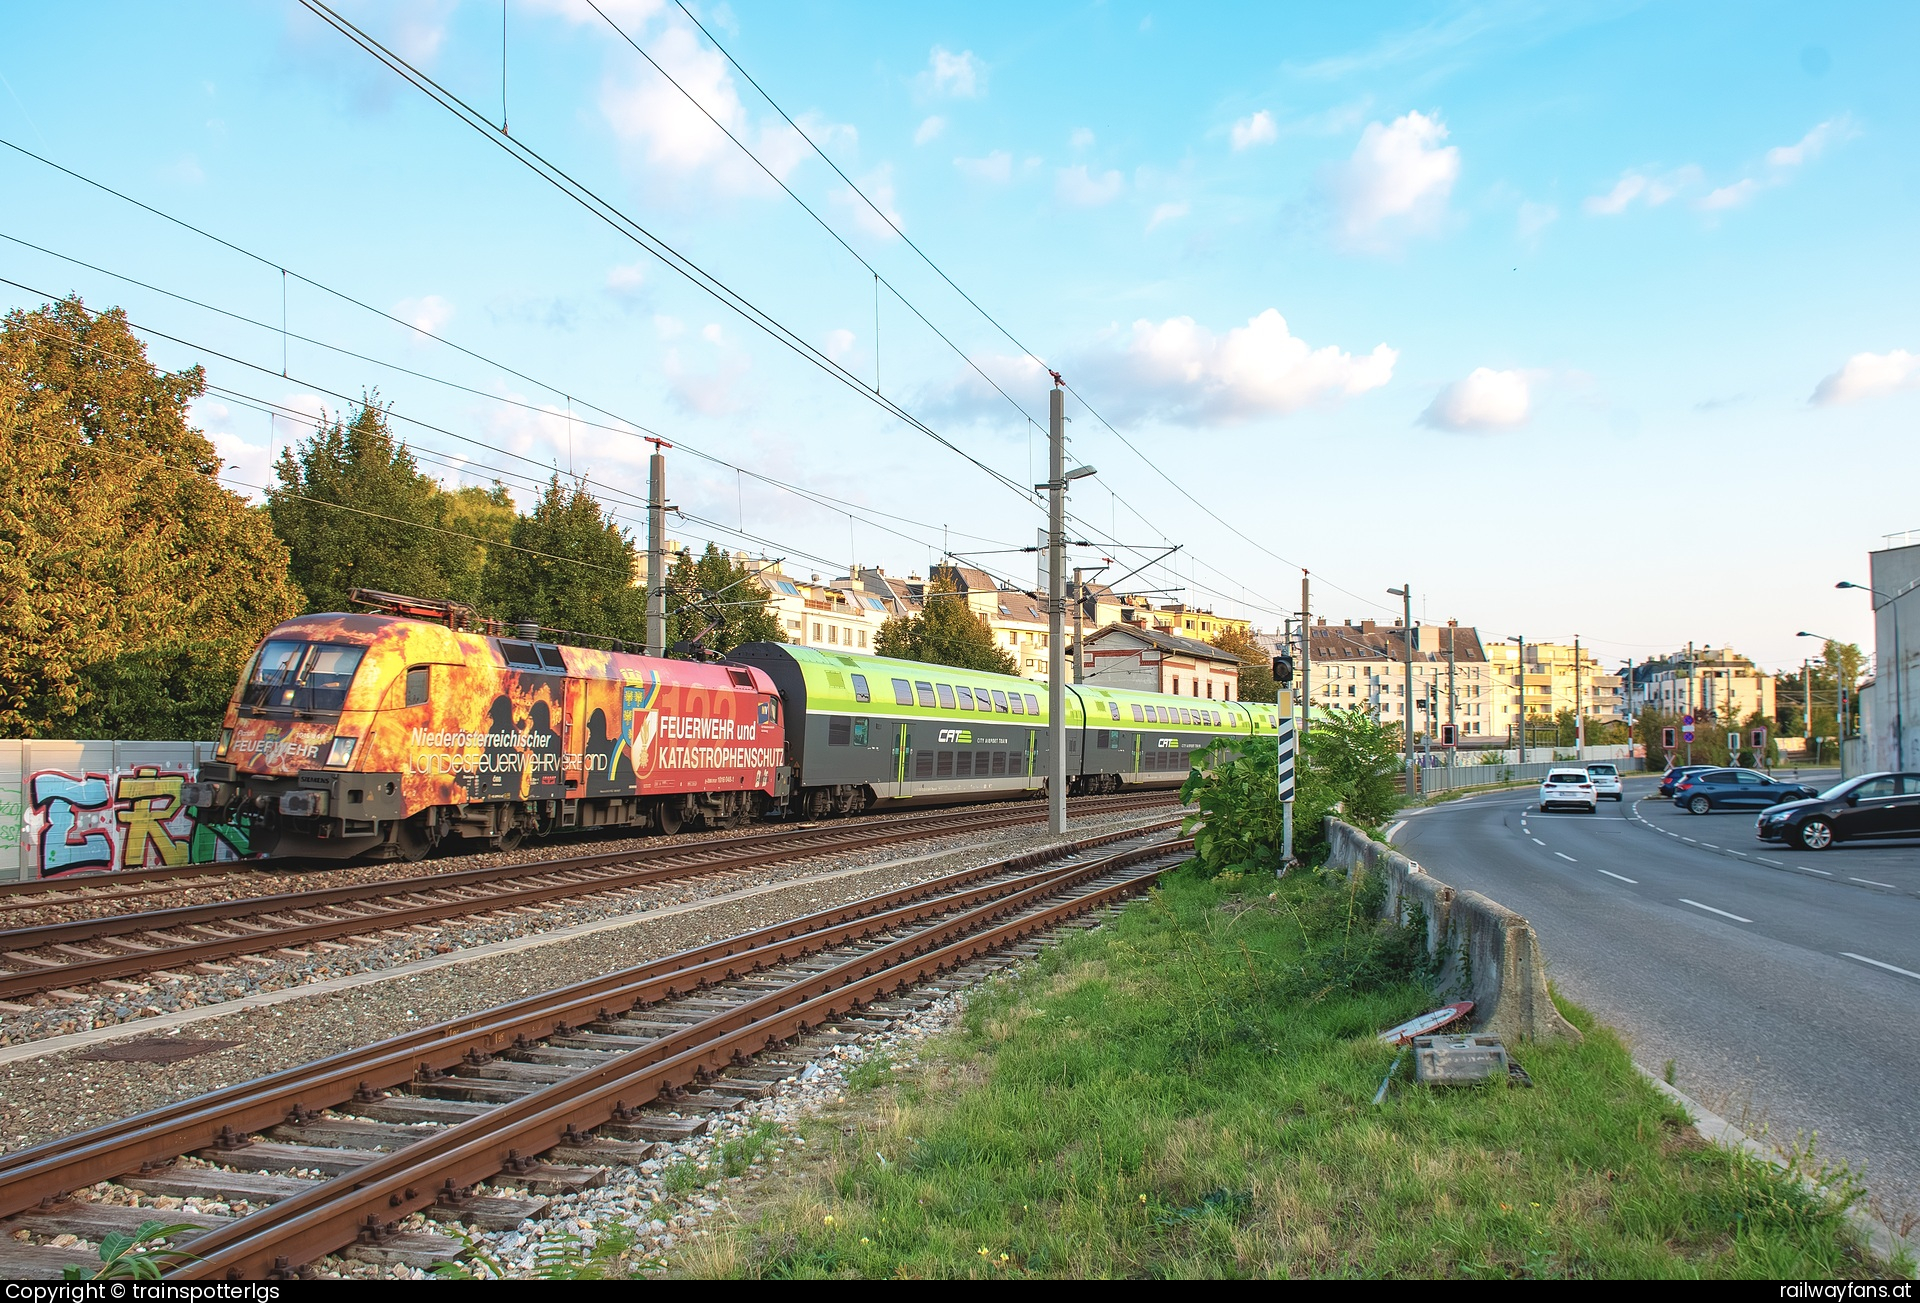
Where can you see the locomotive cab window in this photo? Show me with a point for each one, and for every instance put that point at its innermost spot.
(419, 685)
(860, 692)
(301, 676)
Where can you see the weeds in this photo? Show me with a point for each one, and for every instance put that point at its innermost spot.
(139, 1256)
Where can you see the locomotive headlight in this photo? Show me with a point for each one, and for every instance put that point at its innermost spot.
(340, 752)
(226, 741)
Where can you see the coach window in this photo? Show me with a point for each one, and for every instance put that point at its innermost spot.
(902, 693)
(1138, 714)
(419, 685)
(839, 730)
(946, 696)
(1033, 706)
(983, 700)
(859, 732)
(926, 692)
(1113, 708)
(860, 688)
(966, 696)
(1014, 699)
(1000, 701)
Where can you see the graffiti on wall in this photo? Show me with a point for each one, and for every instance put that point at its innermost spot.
(122, 819)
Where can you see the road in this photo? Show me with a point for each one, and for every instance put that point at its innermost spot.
(1784, 986)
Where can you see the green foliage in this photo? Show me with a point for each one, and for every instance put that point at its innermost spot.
(1358, 757)
(121, 556)
(348, 502)
(139, 1256)
(719, 601)
(571, 569)
(946, 632)
(1239, 826)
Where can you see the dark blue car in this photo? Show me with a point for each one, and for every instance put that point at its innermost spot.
(1735, 789)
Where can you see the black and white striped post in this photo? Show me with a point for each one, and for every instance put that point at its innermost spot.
(1285, 748)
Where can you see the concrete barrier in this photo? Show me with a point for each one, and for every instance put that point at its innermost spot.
(1484, 951)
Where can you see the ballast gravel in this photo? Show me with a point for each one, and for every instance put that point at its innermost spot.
(60, 1093)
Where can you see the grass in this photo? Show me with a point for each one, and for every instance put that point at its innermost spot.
(727, 1159)
(1185, 1093)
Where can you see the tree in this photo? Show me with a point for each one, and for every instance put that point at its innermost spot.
(718, 601)
(349, 504)
(569, 568)
(1359, 756)
(946, 632)
(132, 585)
(1256, 666)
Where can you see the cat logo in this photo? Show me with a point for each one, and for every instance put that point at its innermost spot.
(1169, 742)
(956, 735)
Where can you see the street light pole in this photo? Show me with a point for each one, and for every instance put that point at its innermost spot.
(1056, 609)
(1405, 594)
(1520, 679)
(1899, 726)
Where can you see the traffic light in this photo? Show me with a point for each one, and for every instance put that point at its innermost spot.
(1667, 739)
(1759, 739)
(1283, 670)
(1446, 735)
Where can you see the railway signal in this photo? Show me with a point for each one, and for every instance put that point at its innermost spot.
(1285, 747)
(1668, 739)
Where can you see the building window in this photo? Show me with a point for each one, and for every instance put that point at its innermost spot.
(863, 637)
(833, 634)
(816, 631)
(1176, 685)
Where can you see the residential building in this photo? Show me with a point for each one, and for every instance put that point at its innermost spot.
(1560, 677)
(815, 613)
(1128, 655)
(1363, 667)
(1187, 621)
(1717, 681)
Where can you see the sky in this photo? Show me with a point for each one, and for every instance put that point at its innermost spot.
(1579, 319)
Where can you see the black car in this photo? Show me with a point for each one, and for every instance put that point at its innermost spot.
(1678, 772)
(1875, 805)
(1735, 789)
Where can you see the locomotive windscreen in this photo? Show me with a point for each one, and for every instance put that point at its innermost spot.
(303, 677)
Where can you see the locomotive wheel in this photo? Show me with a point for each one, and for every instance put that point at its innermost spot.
(411, 841)
(670, 820)
(512, 837)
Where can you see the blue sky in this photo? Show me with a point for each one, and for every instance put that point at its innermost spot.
(1589, 319)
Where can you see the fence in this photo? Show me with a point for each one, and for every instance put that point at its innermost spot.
(1453, 778)
(69, 806)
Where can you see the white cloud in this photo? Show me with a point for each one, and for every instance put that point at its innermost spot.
(1077, 186)
(1730, 196)
(1637, 187)
(1810, 145)
(670, 133)
(1535, 218)
(839, 345)
(1168, 213)
(712, 333)
(719, 392)
(929, 129)
(1256, 130)
(1869, 375)
(428, 313)
(1485, 400)
(1178, 369)
(1399, 172)
(996, 167)
(1081, 138)
(958, 76)
(627, 279)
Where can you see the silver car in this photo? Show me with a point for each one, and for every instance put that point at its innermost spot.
(1606, 781)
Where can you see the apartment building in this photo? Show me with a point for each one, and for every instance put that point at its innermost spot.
(1716, 681)
(1558, 677)
(1187, 621)
(1362, 666)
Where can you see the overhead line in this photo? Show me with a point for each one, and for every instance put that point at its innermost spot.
(615, 218)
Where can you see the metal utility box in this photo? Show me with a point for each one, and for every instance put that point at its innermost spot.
(1458, 1060)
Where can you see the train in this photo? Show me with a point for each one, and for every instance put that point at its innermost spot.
(388, 735)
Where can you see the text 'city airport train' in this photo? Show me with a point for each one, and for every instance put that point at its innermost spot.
(387, 735)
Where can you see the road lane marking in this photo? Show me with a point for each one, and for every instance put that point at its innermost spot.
(1871, 883)
(1804, 869)
(1741, 854)
(1775, 863)
(1710, 846)
(1568, 858)
(1877, 964)
(1611, 874)
(1689, 839)
(1538, 842)
(1395, 828)
(1711, 910)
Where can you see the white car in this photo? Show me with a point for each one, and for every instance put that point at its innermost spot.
(1569, 787)
(1606, 781)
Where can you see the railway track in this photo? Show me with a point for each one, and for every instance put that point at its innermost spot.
(56, 957)
(547, 1093)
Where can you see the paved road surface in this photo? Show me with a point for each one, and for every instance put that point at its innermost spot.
(1783, 985)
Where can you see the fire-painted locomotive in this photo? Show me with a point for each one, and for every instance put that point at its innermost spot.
(386, 735)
